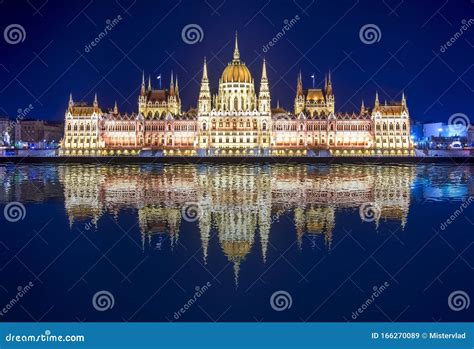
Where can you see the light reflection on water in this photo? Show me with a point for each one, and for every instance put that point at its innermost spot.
(254, 215)
(237, 200)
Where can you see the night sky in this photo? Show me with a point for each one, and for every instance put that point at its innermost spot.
(52, 60)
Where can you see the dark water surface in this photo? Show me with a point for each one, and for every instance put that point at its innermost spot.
(216, 242)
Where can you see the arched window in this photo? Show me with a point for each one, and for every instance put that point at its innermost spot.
(236, 104)
(204, 126)
(264, 126)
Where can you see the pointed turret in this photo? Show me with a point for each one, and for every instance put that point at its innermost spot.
(71, 102)
(264, 70)
(171, 85)
(96, 103)
(149, 83)
(264, 95)
(177, 88)
(329, 85)
(204, 71)
(377, 102)
(404, 101)
(204, 101)
(142, 89)
(299, 86)
(115, 108)
(362, 107)
(236, 50)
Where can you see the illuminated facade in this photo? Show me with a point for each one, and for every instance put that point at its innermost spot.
(237, 120)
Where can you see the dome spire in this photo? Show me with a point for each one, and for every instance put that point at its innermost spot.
(236, 49)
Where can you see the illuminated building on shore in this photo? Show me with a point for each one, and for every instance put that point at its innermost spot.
(237, 120)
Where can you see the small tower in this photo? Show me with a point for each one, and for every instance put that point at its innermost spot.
(362, 107)
(299, 99)
(177, 87)
(329, 94)
(149, 83)
(264, 95)
(116, 108)
(71, 102)
(96, 103)
(142, 89)
(204, 101)
(377, 102)
(329, 85)
(171, 85)
(404, 101)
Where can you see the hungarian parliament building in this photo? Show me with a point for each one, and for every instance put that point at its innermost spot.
(237, 121)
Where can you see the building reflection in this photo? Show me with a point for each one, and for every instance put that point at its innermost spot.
(235, 202)
(239, 204)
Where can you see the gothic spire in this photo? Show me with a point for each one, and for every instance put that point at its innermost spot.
(264, 70)
(299, 85)
(177, 88)
(377, 99)
(236, 50)
(142, 90)
(171, 85)
(204, 71)
(96, 103)
(329, 84)
(149, 83)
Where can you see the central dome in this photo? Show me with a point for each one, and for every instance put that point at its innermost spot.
(236, 71)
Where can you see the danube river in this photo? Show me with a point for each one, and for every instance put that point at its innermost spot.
(236, 242)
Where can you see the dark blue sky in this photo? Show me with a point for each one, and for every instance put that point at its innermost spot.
(51, 61)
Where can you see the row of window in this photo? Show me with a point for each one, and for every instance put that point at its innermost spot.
(391, 127)
(235, 140)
